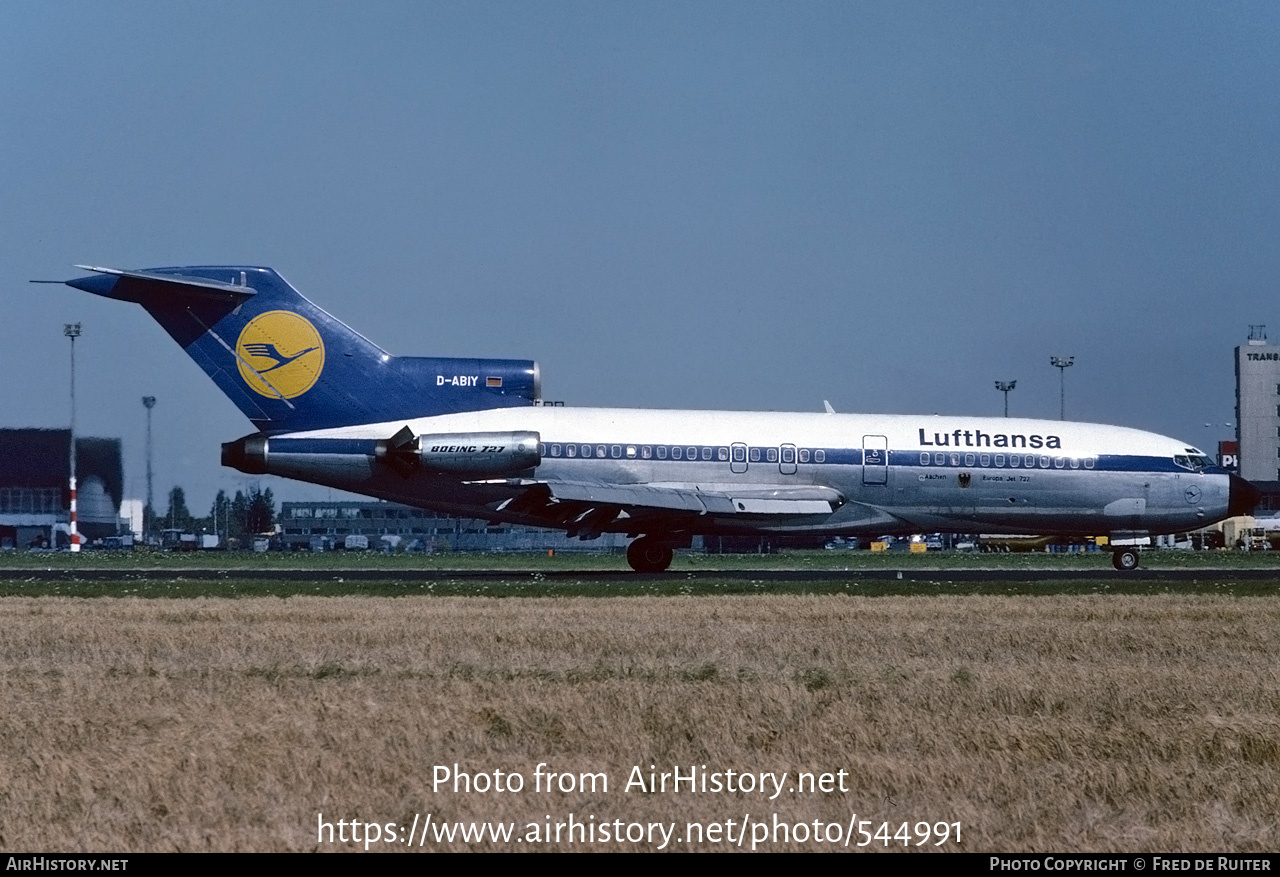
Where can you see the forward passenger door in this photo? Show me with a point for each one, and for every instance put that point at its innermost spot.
(875, 459)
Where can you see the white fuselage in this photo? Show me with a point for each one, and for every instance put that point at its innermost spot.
(894, 473)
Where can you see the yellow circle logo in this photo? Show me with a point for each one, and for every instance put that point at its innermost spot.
(280, 354)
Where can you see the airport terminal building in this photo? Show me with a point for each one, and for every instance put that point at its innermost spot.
(1258, 407)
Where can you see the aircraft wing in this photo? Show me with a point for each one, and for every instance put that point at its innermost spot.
(703, 500)
(586, 507)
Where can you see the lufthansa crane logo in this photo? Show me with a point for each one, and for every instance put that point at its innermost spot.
(280, 354)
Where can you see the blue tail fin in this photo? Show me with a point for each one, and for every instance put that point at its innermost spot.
(290, 366)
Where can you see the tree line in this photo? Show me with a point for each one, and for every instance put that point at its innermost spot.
(245, 514)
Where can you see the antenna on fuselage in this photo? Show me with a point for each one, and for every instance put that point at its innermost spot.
(827, 406)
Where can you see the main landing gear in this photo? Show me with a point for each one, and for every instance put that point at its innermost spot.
(647, 554)
(1125, 559)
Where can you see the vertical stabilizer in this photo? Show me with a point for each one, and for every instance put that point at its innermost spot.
(289, 366)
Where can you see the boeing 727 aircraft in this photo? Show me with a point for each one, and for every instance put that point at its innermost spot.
(469, 437)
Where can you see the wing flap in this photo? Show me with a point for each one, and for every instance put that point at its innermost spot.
(701, 499)
(783, 507)
(635, 495)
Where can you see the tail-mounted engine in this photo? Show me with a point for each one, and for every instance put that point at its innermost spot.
(470, 454)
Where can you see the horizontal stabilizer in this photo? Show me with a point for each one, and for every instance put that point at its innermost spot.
(136, 285)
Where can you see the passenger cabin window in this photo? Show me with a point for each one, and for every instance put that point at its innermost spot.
(677, 453)
(722, 454)
(771, 455)
(924, 459)
(693, 454)
(804, 455)
(819, 456)
(755, 455)
(788, 455)
(940, 459)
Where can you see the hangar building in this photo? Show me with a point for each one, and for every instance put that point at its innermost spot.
(34, 495)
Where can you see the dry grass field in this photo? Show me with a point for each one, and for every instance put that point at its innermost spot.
(1108, 723)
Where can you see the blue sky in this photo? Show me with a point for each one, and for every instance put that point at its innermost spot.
(703, 205)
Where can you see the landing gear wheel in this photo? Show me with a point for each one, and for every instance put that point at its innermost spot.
(1125, 559)
(649, 555)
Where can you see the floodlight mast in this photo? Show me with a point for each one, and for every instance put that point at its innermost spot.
(1005, 387)
(148, 402)
(1062, 363)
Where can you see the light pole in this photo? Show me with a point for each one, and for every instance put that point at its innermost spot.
(1062, 363)
(148, 402)
(72, 331)
(1005, 387)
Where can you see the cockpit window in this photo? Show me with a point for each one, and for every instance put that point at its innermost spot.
(1194, 462)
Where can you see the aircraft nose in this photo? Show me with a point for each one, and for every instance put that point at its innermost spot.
(1243, 497)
